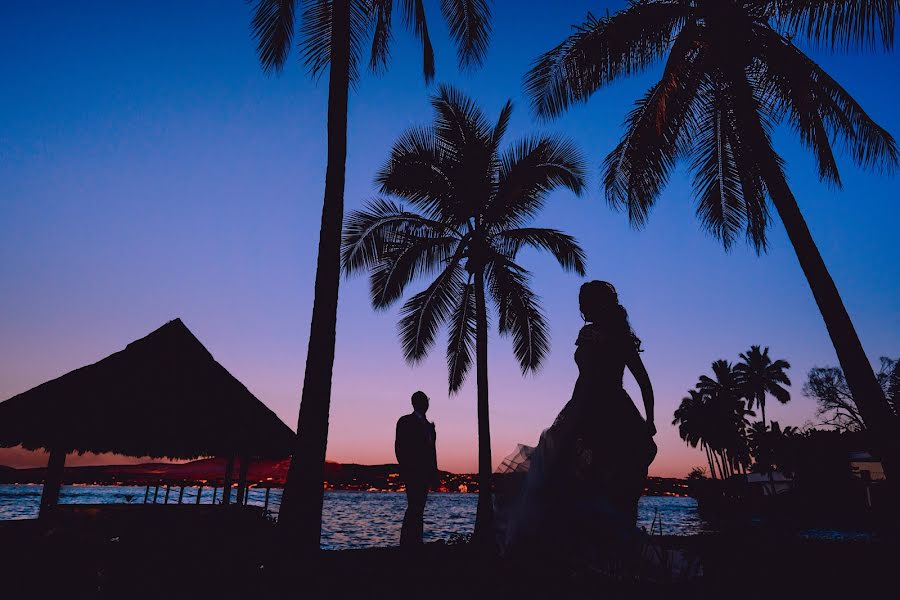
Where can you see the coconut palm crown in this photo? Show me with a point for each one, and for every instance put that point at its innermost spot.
(759, 376)
(474, 202)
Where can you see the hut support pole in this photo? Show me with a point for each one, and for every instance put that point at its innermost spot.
(181, 494)
(242, 481)
(147, 493)
(52, 481)
(215, 491)
(266, 506)
(199, 492)
(226, 487)
(166, 499)
(155, 492)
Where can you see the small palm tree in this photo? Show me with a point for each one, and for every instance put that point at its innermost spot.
(759, 376)
(732, 72)
(334, 36)
(693, 420)
(728, 414)
(475, 202)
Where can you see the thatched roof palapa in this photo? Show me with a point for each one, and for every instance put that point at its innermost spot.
(164, 395)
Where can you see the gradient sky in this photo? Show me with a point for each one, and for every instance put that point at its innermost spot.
(149, 170)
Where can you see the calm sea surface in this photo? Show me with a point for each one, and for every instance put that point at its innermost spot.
(350, 519)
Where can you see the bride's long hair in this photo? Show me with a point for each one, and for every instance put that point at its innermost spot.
(600, 305)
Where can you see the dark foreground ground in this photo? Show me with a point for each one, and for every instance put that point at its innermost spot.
(194, 553)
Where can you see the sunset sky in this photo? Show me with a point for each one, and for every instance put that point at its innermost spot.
(150, 170)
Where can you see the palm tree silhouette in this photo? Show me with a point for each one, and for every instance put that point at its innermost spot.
(728, 415)
(334, 34)
(732, 73)
(758, 376)
(475, 202)
(694, 422)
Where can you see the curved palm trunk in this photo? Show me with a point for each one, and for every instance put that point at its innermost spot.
(484, 516)
(301, 509)
(867, 394)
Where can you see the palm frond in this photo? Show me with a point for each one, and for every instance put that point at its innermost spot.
(425, 312)
(529, 170)
(469, 22)
(502, 124)
(841, 24)
(417, 171)
(519, 312)
(414, 17)
(717, 181)
(821, 110)
(316, 31)
(564, 248)
(459, 122)
(371, 233)
(602, 50)
(273, 30)
(461, 340)
(407, 256)
(637, 170)
(382, 11)
(464, 135)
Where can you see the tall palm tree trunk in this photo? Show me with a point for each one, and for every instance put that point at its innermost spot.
(484, 516)
(717, 456)
(712, 465)
(762, 408)
(301, 509)
(867, 394)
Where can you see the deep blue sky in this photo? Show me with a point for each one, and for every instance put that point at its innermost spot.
(149, 170)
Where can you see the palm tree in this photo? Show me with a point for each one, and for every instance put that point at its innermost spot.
(759, 376)
(693, 420)
(475, 202)
(728, 414)
(732, 72)
(333, 36)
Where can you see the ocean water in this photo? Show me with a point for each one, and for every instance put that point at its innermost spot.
(350, 519)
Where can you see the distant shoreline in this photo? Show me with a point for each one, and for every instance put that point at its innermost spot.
(272, 473)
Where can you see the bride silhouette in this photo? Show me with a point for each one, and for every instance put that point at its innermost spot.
(576, 493)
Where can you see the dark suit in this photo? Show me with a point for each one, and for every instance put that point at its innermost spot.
(414, 446)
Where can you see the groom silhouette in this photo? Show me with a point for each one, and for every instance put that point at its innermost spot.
(414, 446)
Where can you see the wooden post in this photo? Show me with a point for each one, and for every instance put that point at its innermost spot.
(242, 481)
(181, 493)
(266, 505)
(147, 493)
(166, 499)
(155, 492)
(199, 492)
(215, 490)
(52, 481)
(226, 486)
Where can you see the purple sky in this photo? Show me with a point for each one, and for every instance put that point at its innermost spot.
(149, 170)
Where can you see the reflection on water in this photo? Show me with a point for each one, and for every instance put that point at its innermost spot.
(350, 519)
